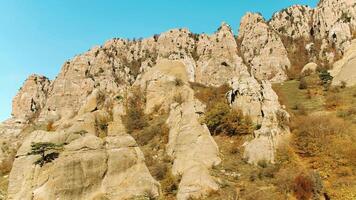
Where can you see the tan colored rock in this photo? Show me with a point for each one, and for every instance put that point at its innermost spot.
(160, 83)
(294, 21)
(218, 61)
(344, 70)
(263, 49)
(87, 168)
(31, 98)
(274, 128)
(246, 96)
(190, 144)
(193, 150)
(91, 103)
(310, 67)
(333, 19)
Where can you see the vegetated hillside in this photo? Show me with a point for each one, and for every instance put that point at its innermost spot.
(323, 126)
(194, 116)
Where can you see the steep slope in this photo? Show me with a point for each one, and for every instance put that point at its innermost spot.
(84, 109)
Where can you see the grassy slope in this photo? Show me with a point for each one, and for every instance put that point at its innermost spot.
(337, 186)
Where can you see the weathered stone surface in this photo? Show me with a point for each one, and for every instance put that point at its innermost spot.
(294, 21)
(190, 144)
(87, 168)
(310, 67)
(86, 102)
(263, 49)
(246, 96)
(344, 70)
(260, 102)
(31, 98)
(219, 60)
(194, 151)
(334, 20)
(274, 126)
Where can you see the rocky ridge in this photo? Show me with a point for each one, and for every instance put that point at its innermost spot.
(84, 105)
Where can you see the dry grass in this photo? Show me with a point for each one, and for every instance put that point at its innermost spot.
(297, 55)
(210, 95)
(295, 99)
(221, 119)
(323, 136)
(135, 118)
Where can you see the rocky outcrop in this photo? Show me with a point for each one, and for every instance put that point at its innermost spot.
(310, 67)
(31, 98)
(87, 168)
(274, 127)
(294, 22)
(83, 106)
(260, 102)
(263, 49)
(218, 61)
(334, 20)
(190, 144)
(344, 70)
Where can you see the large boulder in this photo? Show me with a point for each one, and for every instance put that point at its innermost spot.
(87, 168)
(310, 67)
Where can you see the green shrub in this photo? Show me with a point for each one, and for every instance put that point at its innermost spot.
(325, 78)
(47, 150)
(303, 84)
(222, 119)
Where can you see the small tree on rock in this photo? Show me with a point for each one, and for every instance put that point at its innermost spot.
(47, 150)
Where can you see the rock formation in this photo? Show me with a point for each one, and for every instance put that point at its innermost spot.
(31, 98)
(82, 108)
(262, 49)
(344, 69)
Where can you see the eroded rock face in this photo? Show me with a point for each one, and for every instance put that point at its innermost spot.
(190, 144)
(194, 151)
(260, 102)
(294, 21)
(263, 49)
(87, 168)
(219, 60)
(273, 129)
(334, 20)
(344, 70)
(84, 104)
(31, 98)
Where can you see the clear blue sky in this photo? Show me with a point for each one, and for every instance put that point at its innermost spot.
(37, 36)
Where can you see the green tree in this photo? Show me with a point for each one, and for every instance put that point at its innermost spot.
(222, 119)
(47, 150)
(326, 78)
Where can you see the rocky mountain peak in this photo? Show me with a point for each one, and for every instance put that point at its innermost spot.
(31, 98)
(166, 80)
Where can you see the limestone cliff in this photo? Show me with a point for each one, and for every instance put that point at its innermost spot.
(83, 109)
